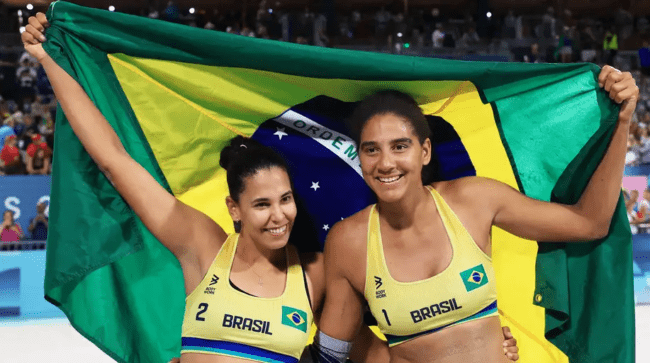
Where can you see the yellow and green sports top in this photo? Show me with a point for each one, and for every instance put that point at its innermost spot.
(220, 319)
(464, 291)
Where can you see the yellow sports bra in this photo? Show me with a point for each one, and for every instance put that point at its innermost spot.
(464, 291)
(220, 319)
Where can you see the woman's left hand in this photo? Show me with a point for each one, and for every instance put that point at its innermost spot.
(622, 89)
(510, 348)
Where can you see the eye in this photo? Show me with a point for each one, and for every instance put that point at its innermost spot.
(287, 198)
(261, 205)
(370, 150)
(401, 147)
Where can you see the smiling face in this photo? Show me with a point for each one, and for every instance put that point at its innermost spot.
(266, 208)
(392, 157)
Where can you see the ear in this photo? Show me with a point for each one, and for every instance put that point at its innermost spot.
(426, 151)
(233, 209)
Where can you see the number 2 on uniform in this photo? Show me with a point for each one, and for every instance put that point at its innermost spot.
(203, 307)
(386, 316)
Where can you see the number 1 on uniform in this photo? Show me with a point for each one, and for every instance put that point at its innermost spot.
(386, 316)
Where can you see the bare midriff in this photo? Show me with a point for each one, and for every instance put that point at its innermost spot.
(210, 358)
(478, 341)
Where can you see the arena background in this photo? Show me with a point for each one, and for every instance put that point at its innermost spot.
(32, 330)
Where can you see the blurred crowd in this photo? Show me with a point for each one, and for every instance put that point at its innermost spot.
(638, 151)
(27, 130)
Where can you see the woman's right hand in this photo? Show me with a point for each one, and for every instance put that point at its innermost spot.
(33, 36)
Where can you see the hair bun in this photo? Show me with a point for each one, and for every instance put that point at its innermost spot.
(239, 145)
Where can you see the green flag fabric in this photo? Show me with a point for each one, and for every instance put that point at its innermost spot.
(176, 95)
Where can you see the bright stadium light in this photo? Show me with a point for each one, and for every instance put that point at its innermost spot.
(20, 13)
(30, 7)
(22, 29)
(111, 8)
(191, 10)
(270, 11)
(399, 35)
(489, 14)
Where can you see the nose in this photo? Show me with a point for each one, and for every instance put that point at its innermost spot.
(277, 214)
(386, 162)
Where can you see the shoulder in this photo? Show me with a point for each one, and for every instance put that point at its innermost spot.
(349, 234)
(476, 195)
(462, 189)
(346, 249)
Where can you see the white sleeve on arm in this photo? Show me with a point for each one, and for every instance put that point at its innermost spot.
(326, 349)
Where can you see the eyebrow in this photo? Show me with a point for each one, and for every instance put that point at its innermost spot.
(395, 141)
(258, 200)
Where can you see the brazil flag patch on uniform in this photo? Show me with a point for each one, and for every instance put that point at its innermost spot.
(294, 318)
(474, 277)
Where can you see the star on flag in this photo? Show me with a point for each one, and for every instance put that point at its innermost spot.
(280, 132)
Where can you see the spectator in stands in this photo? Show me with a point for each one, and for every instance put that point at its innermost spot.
(633, 145)
(548, 23)
(382, 17)
(588, 45)
(171, 13)
(438, 36)
(565, 46)
(449, 41)
(642, 215)
(6, 130)
(509, 25)
(469, 38)
(533, 56)
(38, 142)
(10, 156)
(38, 225)
(631, 204)
(29, 130)
(39, 164)
(26, 77)
(11, 230)
(644, 59)
(624, 22)
(4, 109)
(610, 46)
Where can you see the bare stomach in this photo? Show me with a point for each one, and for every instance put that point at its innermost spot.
(210, 358)
(475, 341)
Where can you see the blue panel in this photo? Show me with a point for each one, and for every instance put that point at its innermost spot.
(21, 286)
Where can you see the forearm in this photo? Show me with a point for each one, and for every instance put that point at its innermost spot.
(95, 133)
(600, 197)
(368, 348)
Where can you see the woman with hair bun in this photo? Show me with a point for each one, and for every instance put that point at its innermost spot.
(250, 295)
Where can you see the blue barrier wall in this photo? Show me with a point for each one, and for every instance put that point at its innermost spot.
(21, 286)
(20, 194)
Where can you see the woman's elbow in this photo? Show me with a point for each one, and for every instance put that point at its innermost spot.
(599, 230)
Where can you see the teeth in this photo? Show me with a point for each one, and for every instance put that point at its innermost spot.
(389, 180)
(277, 231)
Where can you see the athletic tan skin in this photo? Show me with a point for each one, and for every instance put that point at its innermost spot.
(190, 235)
(416, 246)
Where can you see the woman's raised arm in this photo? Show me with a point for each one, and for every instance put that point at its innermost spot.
(189, 234)
(591, 216)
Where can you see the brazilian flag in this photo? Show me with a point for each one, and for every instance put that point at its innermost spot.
(175, 95)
